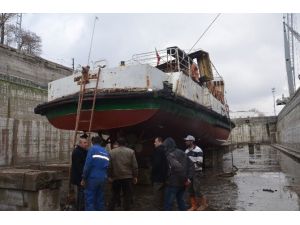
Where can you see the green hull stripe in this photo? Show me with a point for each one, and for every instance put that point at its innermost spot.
(104, 105)
(140, 104)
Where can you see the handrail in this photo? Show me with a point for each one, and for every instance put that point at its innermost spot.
(173, 58)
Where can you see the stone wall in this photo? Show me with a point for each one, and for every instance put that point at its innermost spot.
(288, 125)
(14, 63)
(27, 189)
(254, 130)
(27, 138)
(32, 142)
(18, 100)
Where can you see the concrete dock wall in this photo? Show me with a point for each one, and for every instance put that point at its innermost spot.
(27, 138)
(18, 100)
(254, 129)
(32, 68)
(32, 142)
(288, 125)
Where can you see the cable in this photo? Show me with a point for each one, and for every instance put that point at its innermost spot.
(96, 18)
(201, 36)
(205, 31)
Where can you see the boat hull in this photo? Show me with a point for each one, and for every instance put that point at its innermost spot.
(145, 114)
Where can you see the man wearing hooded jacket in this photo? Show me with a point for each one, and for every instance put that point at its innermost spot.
(178, 178)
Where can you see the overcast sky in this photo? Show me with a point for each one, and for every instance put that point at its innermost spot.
(247, 49)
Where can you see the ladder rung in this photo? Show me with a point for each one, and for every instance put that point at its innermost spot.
(84, 121)
(84, 110)
(86, 91)
(85, 82)
(90, 88)
(81, 131)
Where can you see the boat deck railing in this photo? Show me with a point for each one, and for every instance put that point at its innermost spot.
(168, 60)
(173, 60)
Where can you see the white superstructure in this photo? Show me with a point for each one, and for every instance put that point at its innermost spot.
(139, 77)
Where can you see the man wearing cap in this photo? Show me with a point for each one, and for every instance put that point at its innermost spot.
(198, 201)
(78, 159)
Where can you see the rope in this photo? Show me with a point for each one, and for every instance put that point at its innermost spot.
(201, 36)
(205, 31)
(234, 169)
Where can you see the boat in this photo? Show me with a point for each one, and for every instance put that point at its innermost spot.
(161, 93)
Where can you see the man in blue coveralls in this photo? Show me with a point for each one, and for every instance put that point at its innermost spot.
(95, 175)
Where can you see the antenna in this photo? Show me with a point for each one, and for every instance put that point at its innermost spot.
(96, 18)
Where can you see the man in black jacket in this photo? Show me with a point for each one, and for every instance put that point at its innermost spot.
(159, 173)
(78, 160)
(180, 173)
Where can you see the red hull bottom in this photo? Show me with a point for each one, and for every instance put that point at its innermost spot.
(145, 125)
(104, 120)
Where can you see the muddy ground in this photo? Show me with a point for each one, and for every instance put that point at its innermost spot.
(266, 179)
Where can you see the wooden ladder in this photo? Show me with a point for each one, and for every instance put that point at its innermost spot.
(85, 78)
(83, 81)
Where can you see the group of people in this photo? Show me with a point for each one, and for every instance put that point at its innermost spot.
(92, 167)
(173, 171)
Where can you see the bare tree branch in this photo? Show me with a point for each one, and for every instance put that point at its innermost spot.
(31, 42)
(4, 18)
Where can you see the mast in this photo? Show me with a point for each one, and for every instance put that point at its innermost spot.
(289, 51)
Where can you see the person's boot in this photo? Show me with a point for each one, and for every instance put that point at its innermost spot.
(202, 204)
(194, 205)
